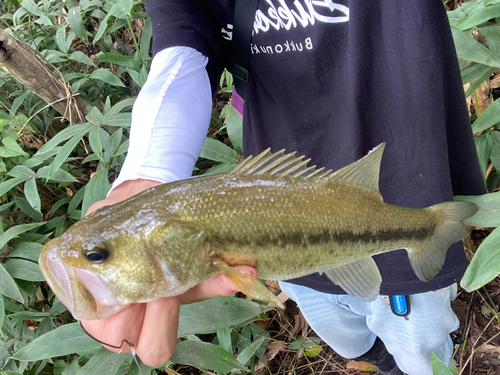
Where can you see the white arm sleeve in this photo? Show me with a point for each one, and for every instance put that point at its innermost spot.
(170, 118)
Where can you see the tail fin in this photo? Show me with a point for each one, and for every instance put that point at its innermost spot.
(428, 259)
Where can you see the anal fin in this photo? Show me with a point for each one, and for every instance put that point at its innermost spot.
(248, 284)
(360, 279)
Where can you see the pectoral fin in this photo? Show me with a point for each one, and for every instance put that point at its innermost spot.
(360, 279)
(247, 284)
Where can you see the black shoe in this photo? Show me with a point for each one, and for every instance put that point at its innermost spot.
(380, 357)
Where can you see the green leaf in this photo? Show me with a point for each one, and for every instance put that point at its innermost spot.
(103, 362)
(95, 140)
(62, 43)
(438, 367)
(72, 369)
(126, 6)
(75, 201)
(104, 21)
(31, 194)
(26, 250)
(29, 315)
(470, 49)
(31, 7)
(115, 58)
(224, 338)
(247, 353)
(8, 286)
(76, 23)
(479, 17)
(71, 131)
(234, 125)
(489, 118)
(10, 148)
(221, 168)
(24, 270)
(205, 356)
(82, 58)
(9, 184)
(219, 312)
(67, 339)
(485, 264)
(218, 151)
(25, 207)
(483, 147)
(59, 176)
(16, 231)
(63, 154)
(96, 189)
(21, 171)
(106, 76)
(480, 79)
(112, 144)
(491, 32)
(147, 33)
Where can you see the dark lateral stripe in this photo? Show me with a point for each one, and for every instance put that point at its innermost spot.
(325, 236)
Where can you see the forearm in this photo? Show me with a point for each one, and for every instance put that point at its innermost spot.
(169, 120)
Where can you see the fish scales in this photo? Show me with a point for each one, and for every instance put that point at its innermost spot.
(171, 237)
(287, 231)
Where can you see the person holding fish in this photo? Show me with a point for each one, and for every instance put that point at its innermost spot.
(331, 80)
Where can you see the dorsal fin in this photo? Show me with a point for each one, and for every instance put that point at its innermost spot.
(364, 172)
(279, 164)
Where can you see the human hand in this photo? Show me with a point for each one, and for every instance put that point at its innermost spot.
(151, 327)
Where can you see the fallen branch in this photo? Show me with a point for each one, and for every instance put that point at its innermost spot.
(18, 60)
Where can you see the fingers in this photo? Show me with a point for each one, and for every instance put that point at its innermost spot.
(125, 324)
(216, 286)
(159, 331)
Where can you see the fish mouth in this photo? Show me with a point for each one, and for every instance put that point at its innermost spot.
(85, 294)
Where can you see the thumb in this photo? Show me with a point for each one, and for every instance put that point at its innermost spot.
(218, 285)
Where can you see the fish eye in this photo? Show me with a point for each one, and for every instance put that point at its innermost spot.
(96, 255)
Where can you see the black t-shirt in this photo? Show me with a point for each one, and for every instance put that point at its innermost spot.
(332, 80)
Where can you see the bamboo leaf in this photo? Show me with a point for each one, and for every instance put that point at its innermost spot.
(31, 7)
(24, 270)
(31, 194)
(96, 189)
(95, 140)
(15, 231)
(485, 264)
(479, 17)
(82, 58)
(115, 58)
(483, 147)
(8, 286)
(234, 125)
(103, 362)
(63, 154)
(491, 32)
(59, 176)
(27, 250)
(489, 118)
(470, 49)
(216, 313)
(206, 356)
(63, 135)
(106, 76)
(9, 184)
(76, 23)
(10, 148)
(67, 339)
(218, 151)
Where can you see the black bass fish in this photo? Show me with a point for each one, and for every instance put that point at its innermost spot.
(271, 212)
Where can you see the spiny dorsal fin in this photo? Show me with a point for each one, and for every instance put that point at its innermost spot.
(364, 172)
(280, 164)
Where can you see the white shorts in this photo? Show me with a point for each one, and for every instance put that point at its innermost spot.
(349, 326)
